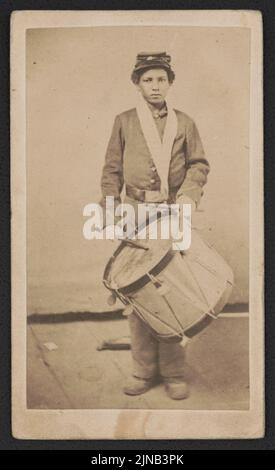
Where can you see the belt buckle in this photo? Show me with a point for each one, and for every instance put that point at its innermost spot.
(155, 196)
(152, 196)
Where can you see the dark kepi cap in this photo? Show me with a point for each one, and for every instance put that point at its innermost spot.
(147, 60)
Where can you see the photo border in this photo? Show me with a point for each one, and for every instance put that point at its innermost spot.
(134, 424)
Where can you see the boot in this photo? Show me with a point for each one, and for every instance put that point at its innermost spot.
(138, 386)
(176, 388)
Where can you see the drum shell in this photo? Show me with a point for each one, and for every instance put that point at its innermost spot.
(180, 295)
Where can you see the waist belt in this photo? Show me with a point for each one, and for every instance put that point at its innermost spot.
(144, 195)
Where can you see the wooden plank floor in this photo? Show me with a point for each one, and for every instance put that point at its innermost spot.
(77, 376)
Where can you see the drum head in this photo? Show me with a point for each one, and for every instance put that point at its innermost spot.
(130, 263)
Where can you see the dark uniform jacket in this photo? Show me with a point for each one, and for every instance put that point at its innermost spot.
(128, 160)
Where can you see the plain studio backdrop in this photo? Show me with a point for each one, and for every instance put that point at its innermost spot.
(78, 79)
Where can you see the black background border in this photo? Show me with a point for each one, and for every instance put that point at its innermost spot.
(7, 442)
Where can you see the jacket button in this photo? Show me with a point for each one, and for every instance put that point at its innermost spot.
(152, 181)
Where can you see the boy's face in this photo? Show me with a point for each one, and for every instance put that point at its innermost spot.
(154, 85)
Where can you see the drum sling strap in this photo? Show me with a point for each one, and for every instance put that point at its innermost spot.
(160, 151)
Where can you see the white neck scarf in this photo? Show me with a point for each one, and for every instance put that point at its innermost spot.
(160, 150)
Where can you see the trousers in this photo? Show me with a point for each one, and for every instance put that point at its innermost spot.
(151, 357)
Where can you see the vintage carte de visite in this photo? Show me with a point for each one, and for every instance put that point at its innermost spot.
(137, 225)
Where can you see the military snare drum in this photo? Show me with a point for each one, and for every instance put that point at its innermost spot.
(176, 293)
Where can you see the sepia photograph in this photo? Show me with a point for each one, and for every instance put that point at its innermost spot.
(137, 232)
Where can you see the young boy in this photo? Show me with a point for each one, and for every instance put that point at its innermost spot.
(156, 152)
